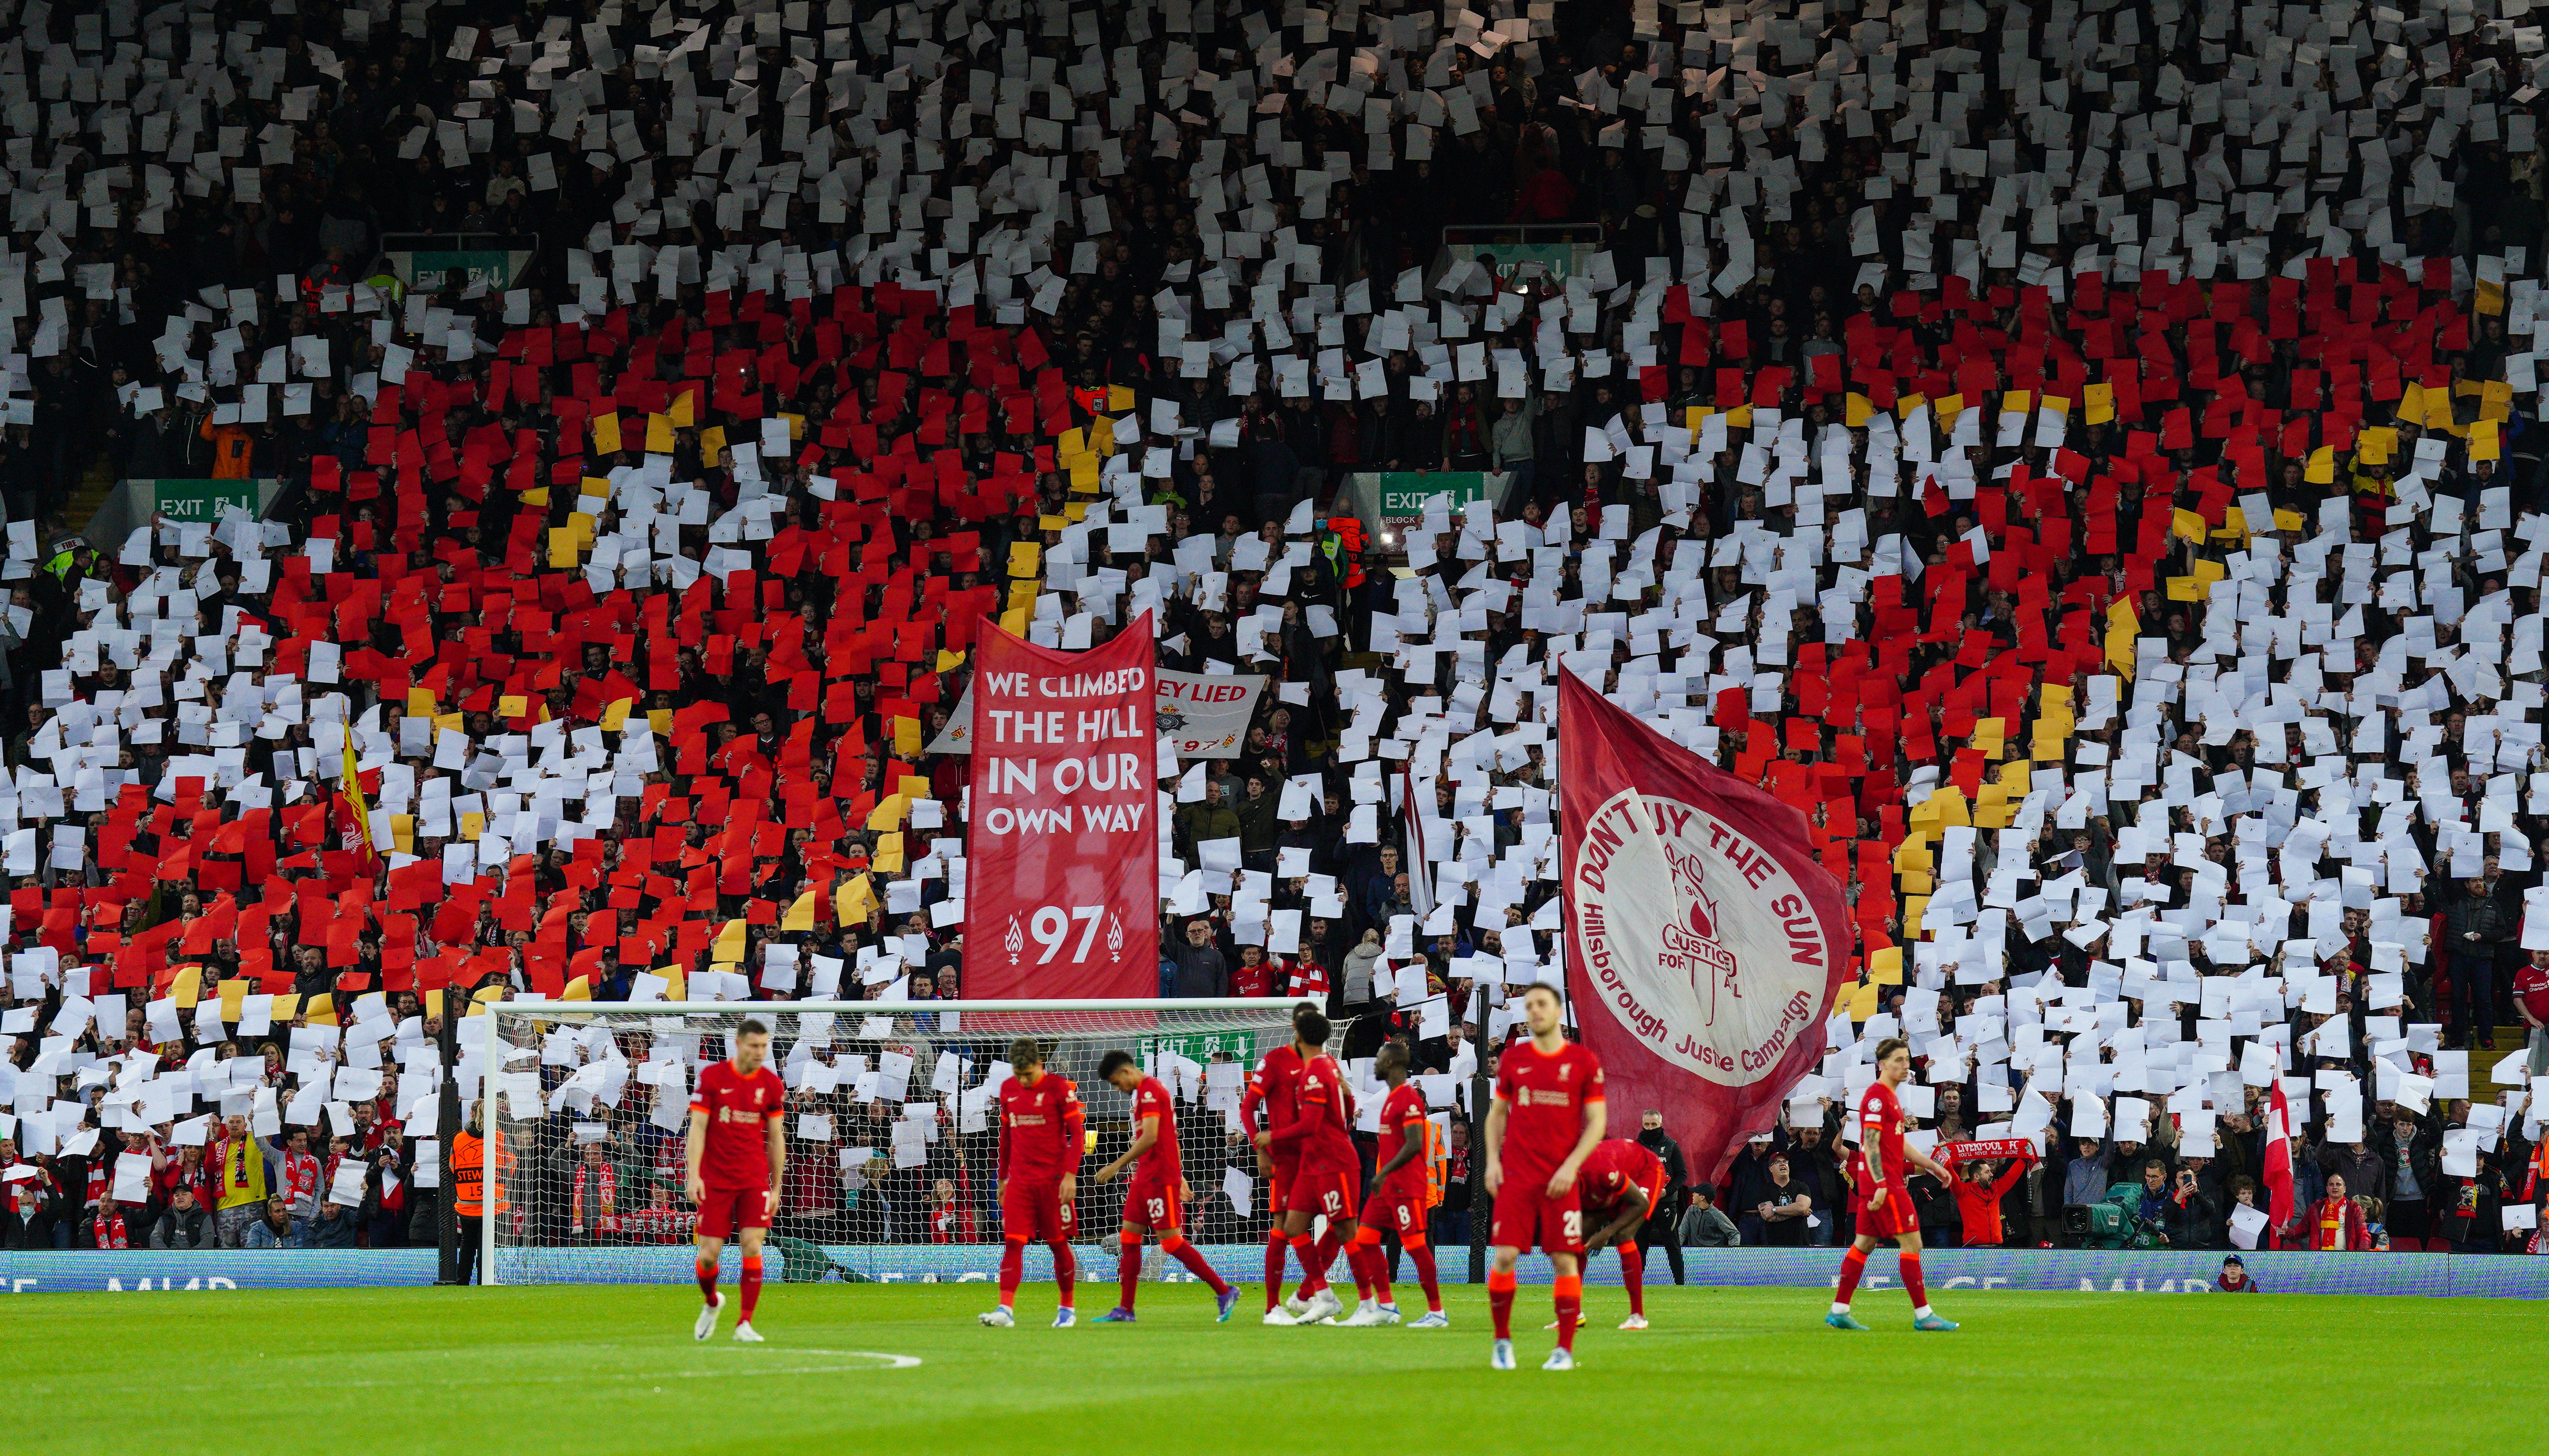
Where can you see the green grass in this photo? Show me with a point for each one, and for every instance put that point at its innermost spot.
(572, 1369)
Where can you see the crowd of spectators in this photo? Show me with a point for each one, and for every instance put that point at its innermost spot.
(2081, 456)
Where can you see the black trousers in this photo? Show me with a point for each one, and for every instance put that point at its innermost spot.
(1663, 1234)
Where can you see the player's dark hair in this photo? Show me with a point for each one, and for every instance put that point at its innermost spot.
(1311, 1027)
(1544, 987)
(1025, 1052)
(1301, 1009)
(1393, 1052)
(1113, 1062)
(752, 1027)
(1889, 1046)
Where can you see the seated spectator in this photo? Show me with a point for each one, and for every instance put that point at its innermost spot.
(182, 1224)
(1703, 1226)
(335, 1227)
(111, 1229)
(275, 1229)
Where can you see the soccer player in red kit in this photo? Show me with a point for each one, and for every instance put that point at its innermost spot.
(1884, 1203)
(736, 1150)
(1272, 1091)
(1158, 1191)
(1041, 1140)
(1399, 1182)
(1547, 1118)
(1327, 1181)
(1620, 1184)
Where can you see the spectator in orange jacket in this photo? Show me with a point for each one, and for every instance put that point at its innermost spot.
(1979, 1190)
(231, 448)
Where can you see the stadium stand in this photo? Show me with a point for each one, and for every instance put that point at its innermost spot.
(641, 410)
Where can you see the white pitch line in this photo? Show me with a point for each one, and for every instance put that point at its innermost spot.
(887, 1362)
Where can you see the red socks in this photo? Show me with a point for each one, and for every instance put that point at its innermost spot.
(1327, 1258)
(1500, 1300)
(1065, 1268)
(1128, 1272)
(1852, 1265)
(1423, 1253)
(1569, 1292)
(1360, 1258)
(1374, 1275)
(1314, 1267)
(1375, 1264)
(751, 1286)
(1275, 1249)
(1909, 1264)
(1192, 1257)
(707, 1270)
(1013, 1257)
(1632, 1273)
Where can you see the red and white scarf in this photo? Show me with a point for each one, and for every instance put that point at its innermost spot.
(609, 1182)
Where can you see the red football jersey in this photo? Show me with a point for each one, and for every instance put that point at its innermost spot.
(739, 1107)
(1612, 1169)
(1545, 1096)
(1880, 1134)
(1402, 1117)
(1276, 1086)
(1039, 1128)
(1151, 1100)
(1329, 1145)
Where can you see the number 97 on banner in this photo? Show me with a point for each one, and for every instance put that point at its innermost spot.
(1053, 926)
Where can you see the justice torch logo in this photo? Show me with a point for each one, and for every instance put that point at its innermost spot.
(1697, 939)
(1690, 945)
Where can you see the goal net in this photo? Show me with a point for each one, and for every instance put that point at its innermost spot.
(892, 1144)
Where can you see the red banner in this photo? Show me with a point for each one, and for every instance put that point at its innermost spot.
(1705, 943)
(1062, 893)
(1978, 1149)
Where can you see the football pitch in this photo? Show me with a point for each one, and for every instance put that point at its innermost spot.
(904, 1367)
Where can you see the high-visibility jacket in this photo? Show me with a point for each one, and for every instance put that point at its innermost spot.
(469, 1173)
(1438, 1163)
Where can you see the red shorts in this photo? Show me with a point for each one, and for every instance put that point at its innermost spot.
(1152, 1203)
(1035, 1213)
(1894, 1220)
(1329, 1194)
(1278, 1187)
(726, 1210)
(1398, 1211)
(1527, 1218)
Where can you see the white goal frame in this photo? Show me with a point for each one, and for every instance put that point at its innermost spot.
(490, 1042)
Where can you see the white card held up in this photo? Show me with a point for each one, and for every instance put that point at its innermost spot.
(2247, 1223)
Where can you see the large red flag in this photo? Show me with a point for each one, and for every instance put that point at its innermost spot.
(1062, 894)
(1705, 943)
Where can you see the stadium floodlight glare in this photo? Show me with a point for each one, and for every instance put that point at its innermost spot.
(890, 1129)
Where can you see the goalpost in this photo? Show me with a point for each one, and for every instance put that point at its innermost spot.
(891, 1140)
